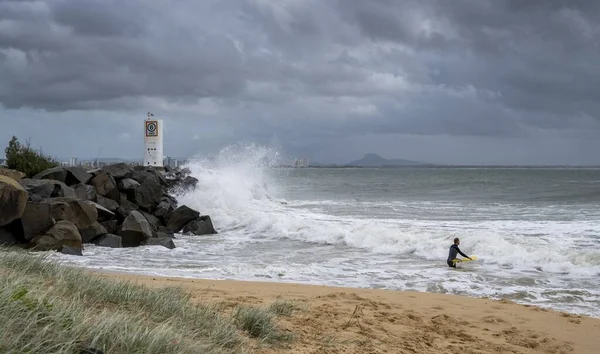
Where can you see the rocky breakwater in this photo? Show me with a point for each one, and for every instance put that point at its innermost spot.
(63, 208)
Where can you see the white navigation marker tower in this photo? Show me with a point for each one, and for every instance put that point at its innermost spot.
(153, 141)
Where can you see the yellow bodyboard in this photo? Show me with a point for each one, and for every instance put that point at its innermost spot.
(473, 258)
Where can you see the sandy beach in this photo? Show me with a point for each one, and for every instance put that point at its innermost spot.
(347, 320)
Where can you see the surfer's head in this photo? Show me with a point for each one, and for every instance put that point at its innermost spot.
(456, 241)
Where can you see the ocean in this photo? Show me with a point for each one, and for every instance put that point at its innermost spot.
(536, 231)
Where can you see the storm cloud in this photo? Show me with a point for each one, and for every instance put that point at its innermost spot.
(325, 78)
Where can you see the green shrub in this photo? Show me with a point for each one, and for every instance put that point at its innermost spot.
(25, 159)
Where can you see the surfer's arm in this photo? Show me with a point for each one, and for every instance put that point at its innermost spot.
(462, 254)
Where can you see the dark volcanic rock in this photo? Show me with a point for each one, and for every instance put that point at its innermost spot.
(164, 208)
(111, 226)
(89, 234)
(13, 200)
(181, 217)
(135, 230)
(36, 220)
(147, 195)
(86, 192)
(63, 233)
(55, 173)
(153, 220)
(108, 203)
(106, 186)
(162, 241)
(162, 234)
(79, 212)
(67, 175)
(129, 206)
(109, 240)
(45, 188)
(201, 226)
(71, 251)
(127, 184)
(103, 213)
(118, 170)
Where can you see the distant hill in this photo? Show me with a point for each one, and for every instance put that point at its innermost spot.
(373, 160)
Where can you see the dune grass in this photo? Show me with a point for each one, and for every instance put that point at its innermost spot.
(46, 307)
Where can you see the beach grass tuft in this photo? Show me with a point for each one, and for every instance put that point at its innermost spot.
(49, 307)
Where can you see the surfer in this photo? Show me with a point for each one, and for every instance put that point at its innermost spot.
(453, 251)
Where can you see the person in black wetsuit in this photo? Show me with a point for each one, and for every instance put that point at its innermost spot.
(453, 251)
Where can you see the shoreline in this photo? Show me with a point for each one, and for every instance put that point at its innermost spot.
(336, 319)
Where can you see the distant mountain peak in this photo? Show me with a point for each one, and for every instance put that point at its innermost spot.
(374, 160)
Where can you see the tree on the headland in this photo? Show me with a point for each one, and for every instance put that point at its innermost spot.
(25, 159)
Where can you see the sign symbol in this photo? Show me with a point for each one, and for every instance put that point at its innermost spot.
(151, 128)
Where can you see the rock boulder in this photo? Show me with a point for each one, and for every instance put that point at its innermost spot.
(44, 188)
(13, 200)
(118, 170)
(86, 192)
(79, 212)
(111, 226)
(201, 226)
(103, 213)
(14, 174)
(106, 186)
(181, 217)
(36, 220)
(163, 241)
(63, 233)
(91, 233)
(109, 240)
(135, 230)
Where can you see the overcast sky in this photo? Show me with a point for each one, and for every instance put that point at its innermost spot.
(460, 81)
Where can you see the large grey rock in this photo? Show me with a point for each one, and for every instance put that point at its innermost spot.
(109, 240)
(103, 213)
(44, 188)
(108, 203)
(89, 234)
(36, 220)
(71, 251)
(141, 173)
(162, 234)
(111, 226)
(67, 175)
(135, 230)
(164, 208)
(181, 217)
(63, 233)
(55, 173)
(127, 184)
(153, 220)
(79, 212)
(201, 226)
(163, 241)
(129, 206)
(106, 186)
(13, 200)
(118, 170)
(147, 195)
(86, 192)
(14, 174)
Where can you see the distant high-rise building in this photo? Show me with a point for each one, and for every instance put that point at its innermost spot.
(301, 162)
(73, 161)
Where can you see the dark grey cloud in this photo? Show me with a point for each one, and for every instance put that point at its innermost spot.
(305, 73)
